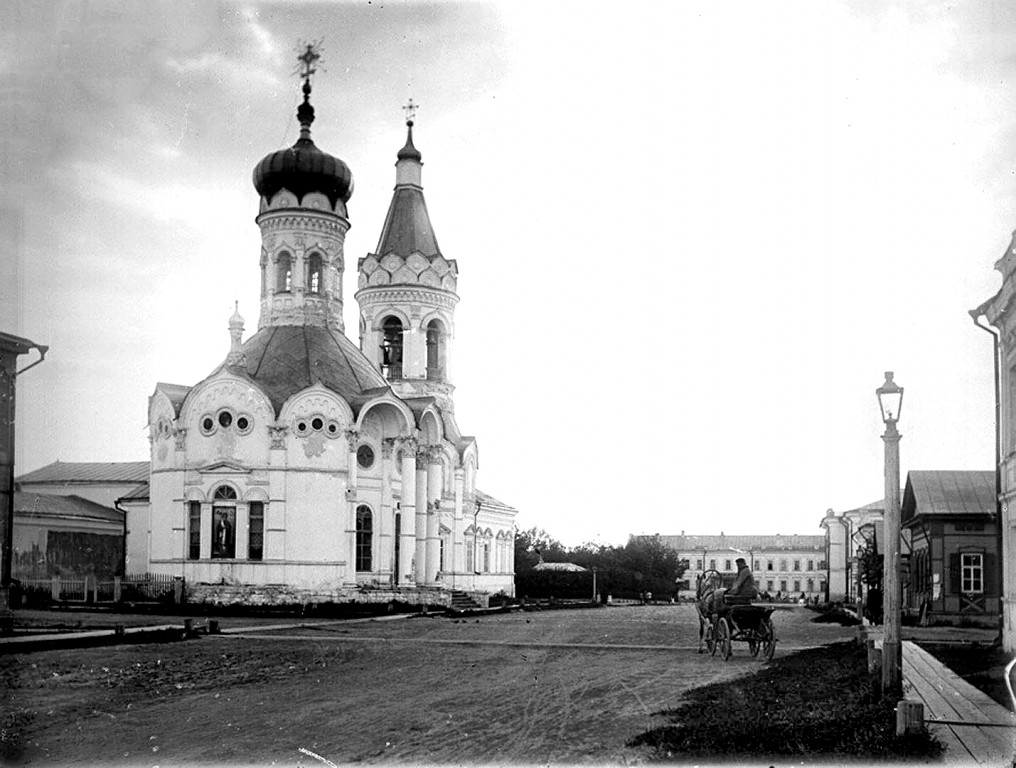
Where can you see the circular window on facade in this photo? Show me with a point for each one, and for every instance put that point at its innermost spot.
(225, 418)
(207, 424)
(365, 456)
(302, 427)
(332, 429)
(244, 424)
(317, 423)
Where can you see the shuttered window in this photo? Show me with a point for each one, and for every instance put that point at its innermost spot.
(256, 531)
(971, 573)
(194, 530)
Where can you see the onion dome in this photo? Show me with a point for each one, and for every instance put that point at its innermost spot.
(303, 168)
(409, 152)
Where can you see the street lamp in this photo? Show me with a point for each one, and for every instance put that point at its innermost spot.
(890, 402)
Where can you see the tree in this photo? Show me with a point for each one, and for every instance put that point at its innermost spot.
(534, 543)
(870, 566)
(650, 556)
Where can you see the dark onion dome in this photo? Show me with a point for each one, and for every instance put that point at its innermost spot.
(286, 359)
(303, 168)
(410, 152)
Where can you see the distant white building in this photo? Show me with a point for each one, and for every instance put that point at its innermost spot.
(846, 533)
(789, 565)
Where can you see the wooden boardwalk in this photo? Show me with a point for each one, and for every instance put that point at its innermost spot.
(975, 729)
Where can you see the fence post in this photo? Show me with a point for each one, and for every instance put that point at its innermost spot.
(177, 589)
(116, 589)
(91, 585)
(55, 589)
(909, 717)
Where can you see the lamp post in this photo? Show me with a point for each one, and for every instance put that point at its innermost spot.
(890, 401)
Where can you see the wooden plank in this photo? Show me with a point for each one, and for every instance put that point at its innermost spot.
(945, 696)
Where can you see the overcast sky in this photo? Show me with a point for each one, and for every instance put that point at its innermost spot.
(691, 237)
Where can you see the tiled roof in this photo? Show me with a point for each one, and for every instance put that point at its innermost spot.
(53, 505)
(949, 492)
(742, 543)
(407, 229)
(64, 472)
(286, 359)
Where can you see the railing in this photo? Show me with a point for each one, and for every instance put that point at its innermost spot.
(136, 588)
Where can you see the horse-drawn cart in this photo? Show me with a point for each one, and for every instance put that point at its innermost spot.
(734, 619)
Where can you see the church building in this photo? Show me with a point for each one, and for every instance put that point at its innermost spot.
(305, 469)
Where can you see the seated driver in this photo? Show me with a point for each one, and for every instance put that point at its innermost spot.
(743, 586)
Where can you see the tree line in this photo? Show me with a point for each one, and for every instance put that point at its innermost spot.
(643, 565)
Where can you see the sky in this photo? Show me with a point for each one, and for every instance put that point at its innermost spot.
(691, 237)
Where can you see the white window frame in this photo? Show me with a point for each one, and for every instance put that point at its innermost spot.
(972, 573)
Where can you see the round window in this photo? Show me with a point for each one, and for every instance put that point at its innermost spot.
(301, 427)
(332, 429)
(317, 422)
(207, 425)
(243, 424)
(225, 418)
(365, 456)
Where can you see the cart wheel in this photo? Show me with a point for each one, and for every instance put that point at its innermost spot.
(723, 638)
(768, 639)
(711, 638)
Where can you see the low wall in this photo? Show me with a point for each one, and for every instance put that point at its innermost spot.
(281, 595)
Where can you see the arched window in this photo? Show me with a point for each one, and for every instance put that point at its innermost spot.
(314, 284)
(224, 522)
(284, 272)
(391, 348)
(364, 539)
(435, 351)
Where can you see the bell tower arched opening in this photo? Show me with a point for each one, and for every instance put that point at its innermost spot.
(391, 348)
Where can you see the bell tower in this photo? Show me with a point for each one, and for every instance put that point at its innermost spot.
(407, 290)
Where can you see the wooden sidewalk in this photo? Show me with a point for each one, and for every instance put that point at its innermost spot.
(975, 729)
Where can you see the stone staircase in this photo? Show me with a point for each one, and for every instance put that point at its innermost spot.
(462, 602)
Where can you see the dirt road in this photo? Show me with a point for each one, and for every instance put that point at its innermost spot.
(553, 687)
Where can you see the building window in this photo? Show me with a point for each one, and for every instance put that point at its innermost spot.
(364, 538)
(783, 585)
(769, 585)
(769, 565)
(712, 564)
(726, 565)
(797, 586)
(783, 565)
(256, 531)
(284, 273)
(811, 585)
(435, 351)
(391, 348)
(797, 565)
(486, 558)
(698, 565)
(314, 273)
(194, 530)
(470, 544)
(971, 573)
(811, 565)
(365, 456)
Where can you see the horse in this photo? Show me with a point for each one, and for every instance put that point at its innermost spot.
(705, 588)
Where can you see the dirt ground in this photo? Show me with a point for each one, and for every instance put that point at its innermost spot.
(568, 686)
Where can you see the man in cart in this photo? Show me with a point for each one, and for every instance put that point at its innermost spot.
(743, 588)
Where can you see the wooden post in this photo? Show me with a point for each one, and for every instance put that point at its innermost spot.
(909, 718)
(177, 590)
(55, 588)
(116, 589)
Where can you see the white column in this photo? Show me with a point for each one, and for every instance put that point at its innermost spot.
(385, 558)
(407, 535)
(420, 563)
(457, 554)
(434, 490)
(350, 544)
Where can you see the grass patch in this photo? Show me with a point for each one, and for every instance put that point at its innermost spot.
(816, 703)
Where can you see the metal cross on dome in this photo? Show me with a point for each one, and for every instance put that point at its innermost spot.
(410, 110)
(308, 58)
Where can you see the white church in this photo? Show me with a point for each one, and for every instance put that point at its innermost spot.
(304, 469)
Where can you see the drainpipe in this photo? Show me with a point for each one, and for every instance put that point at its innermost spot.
(976, 315)
(123, 550)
